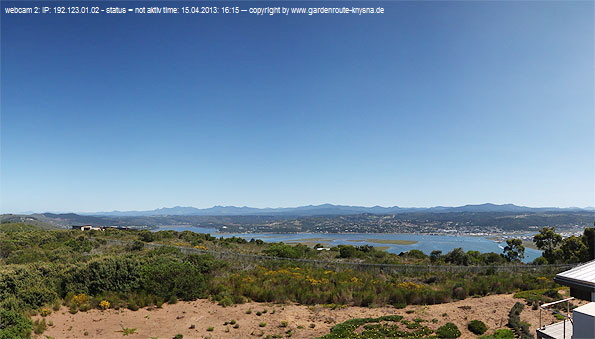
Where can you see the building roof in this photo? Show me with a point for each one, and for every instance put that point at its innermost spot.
(586, 309)
(582, 276)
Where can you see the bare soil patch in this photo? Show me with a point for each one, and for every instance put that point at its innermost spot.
(304, 321)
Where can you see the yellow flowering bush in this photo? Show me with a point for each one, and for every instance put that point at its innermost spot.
(408, 285)
(104, 304)
(80, 299)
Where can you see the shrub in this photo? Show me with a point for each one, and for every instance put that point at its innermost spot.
(477, 327)
(172, 300)
(165, 277)
(525, 333)
(514, 319)
(127, 331)
(288, 251)
(45, 312)
(36, 295)
(499, 334)
(39, 326)
(284, 324)
(459, 293)
(115, 274)
(133, 306)
(262, 324)
(226, 301)
(504, 334)
(210, 329)
(347, 329)
(136, 245)
(159, 302)
(448, 331)
(80, 299)
(14, 324)
(104, 304)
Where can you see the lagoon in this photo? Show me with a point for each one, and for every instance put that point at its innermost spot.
(391, 241)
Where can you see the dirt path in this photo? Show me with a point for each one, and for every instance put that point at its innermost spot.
(304, 321)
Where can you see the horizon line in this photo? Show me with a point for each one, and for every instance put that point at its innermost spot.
(299, 206)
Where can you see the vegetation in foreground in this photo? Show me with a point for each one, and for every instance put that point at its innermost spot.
(41, 270)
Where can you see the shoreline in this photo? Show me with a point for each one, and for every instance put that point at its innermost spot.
(482, 235)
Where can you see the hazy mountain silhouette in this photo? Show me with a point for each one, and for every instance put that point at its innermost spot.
(330, 209)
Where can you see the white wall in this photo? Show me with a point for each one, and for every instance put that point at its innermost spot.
(584, 321)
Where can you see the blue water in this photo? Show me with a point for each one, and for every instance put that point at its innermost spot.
(425, 243)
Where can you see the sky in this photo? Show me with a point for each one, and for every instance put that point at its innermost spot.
(431, 103)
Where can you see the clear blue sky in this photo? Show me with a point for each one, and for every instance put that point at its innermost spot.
(433, 103)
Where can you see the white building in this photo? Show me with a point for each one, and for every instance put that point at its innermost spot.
(581, 325)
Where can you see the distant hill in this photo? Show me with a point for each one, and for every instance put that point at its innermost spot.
(12, 222)
(332, 219)
(329, 209)
(18, 227)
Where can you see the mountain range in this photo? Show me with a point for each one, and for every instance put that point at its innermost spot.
(330, 209)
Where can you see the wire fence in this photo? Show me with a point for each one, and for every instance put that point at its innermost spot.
(361, 266)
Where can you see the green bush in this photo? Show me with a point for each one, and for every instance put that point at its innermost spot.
(64, 264)
(14, 325)
(514, 319)
(114, 274)
(382, 327)
(165, 277)
(477, 327)
(39, 326)
(448, 331)
(525, 332)
(282, 250)
(136, 245)
(499, 334)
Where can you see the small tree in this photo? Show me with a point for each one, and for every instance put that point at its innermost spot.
(573, 250)
(589, 241)
(435, 256)
(548, 240)
(457, 257)
(514, 250)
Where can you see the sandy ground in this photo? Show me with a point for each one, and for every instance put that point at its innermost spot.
(304, 321)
